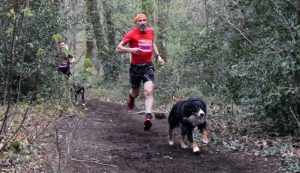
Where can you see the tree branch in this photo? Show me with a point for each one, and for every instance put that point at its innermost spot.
(295, 117)
(289, 27)
(227, 20)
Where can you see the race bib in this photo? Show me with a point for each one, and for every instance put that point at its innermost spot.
(145, 45)
(63, 64)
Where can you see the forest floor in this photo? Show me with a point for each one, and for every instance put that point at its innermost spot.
(110, 139)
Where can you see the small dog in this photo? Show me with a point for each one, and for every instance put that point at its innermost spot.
(188, 114)
(79, 90)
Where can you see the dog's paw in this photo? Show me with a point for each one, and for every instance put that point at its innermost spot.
(205, 141)
(184, 146)
(196, 150)
(171, 142)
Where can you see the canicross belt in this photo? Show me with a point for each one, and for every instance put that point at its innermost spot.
(142, 64)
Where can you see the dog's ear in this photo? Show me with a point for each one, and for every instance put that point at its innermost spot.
(186, 108)
(204, 105)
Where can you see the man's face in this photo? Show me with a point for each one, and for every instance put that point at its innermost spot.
(141, 23)
(62, 45)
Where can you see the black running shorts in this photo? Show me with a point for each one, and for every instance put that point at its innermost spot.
(139, 72)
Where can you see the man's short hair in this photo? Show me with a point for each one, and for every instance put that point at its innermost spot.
(61, 42)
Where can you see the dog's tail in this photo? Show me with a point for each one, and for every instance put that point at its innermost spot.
(175, 99)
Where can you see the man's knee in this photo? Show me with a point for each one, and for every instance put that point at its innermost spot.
(148, 92)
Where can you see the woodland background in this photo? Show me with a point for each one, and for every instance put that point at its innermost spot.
(242, 56)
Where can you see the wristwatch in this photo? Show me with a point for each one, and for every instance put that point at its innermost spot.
(157, 55)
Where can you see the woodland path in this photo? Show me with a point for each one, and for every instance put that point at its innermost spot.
(111, 139)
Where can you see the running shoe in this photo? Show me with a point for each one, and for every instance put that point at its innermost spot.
(147, 123)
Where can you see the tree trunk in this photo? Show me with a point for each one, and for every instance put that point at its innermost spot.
(162, 23)
(298, 12)
(111, 33)
(113, 63)
(93, 12)
(90, 45)
(297, 37)
(147, 8)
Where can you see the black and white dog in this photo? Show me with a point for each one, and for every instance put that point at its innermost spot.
(79, 90)
(188, 114)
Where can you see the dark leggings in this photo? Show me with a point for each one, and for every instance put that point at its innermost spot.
(65, 71)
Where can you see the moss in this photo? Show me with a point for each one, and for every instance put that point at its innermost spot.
(15, 145)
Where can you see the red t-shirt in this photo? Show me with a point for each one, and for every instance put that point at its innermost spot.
(143, 40)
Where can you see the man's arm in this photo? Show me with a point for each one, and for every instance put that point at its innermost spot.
(155, 50)
(72, 60)
(122, 49)
(157, 55)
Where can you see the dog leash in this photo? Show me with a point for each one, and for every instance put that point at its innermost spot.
(174, 98)
(167, 93)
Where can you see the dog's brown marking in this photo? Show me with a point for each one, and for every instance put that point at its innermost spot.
(171, 142)
(182, 141)
(194, 145)
(204, 135)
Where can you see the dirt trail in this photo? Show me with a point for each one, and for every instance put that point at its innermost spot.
(111, 139)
